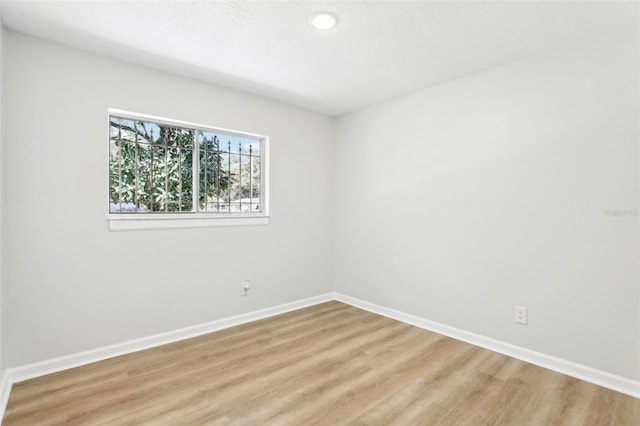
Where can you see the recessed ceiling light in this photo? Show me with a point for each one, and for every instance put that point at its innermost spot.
(323, 20)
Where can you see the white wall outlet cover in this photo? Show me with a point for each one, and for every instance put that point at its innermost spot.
(520, 313)
(246, 285)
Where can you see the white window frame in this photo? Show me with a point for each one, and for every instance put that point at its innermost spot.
(135, 221)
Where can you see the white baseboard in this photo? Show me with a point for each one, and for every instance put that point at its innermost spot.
(579, 371)
(5, 390)
(29, 371)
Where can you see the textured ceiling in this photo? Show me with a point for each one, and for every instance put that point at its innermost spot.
(379, 50)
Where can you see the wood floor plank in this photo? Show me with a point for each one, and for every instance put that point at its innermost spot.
(329, 364)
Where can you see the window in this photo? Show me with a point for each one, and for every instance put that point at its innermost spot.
(161, 169)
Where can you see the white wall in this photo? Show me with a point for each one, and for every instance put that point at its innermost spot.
(504, 188)
(453, 203)
(72, 284)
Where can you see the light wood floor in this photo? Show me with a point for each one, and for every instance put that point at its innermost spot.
(330, 364)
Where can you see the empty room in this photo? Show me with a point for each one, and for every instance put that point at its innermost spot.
(319, 212)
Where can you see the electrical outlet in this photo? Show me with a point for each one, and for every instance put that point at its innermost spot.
(246, 286)
(520, 314)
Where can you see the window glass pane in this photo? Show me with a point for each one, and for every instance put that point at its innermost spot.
(222, 193)
(143, 192)
(213, 172)
(256, 187)
(121, 176)
(159, 179)
(186, 175)
(122, 129)
(114, 176)
(176, 136)
(204, 180)
(234, 191)
(147, 132)
(179, 182)
(245, 182)
(151, 169)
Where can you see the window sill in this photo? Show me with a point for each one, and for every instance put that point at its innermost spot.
(132, 223)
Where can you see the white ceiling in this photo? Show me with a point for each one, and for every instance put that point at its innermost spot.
(379, 50)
